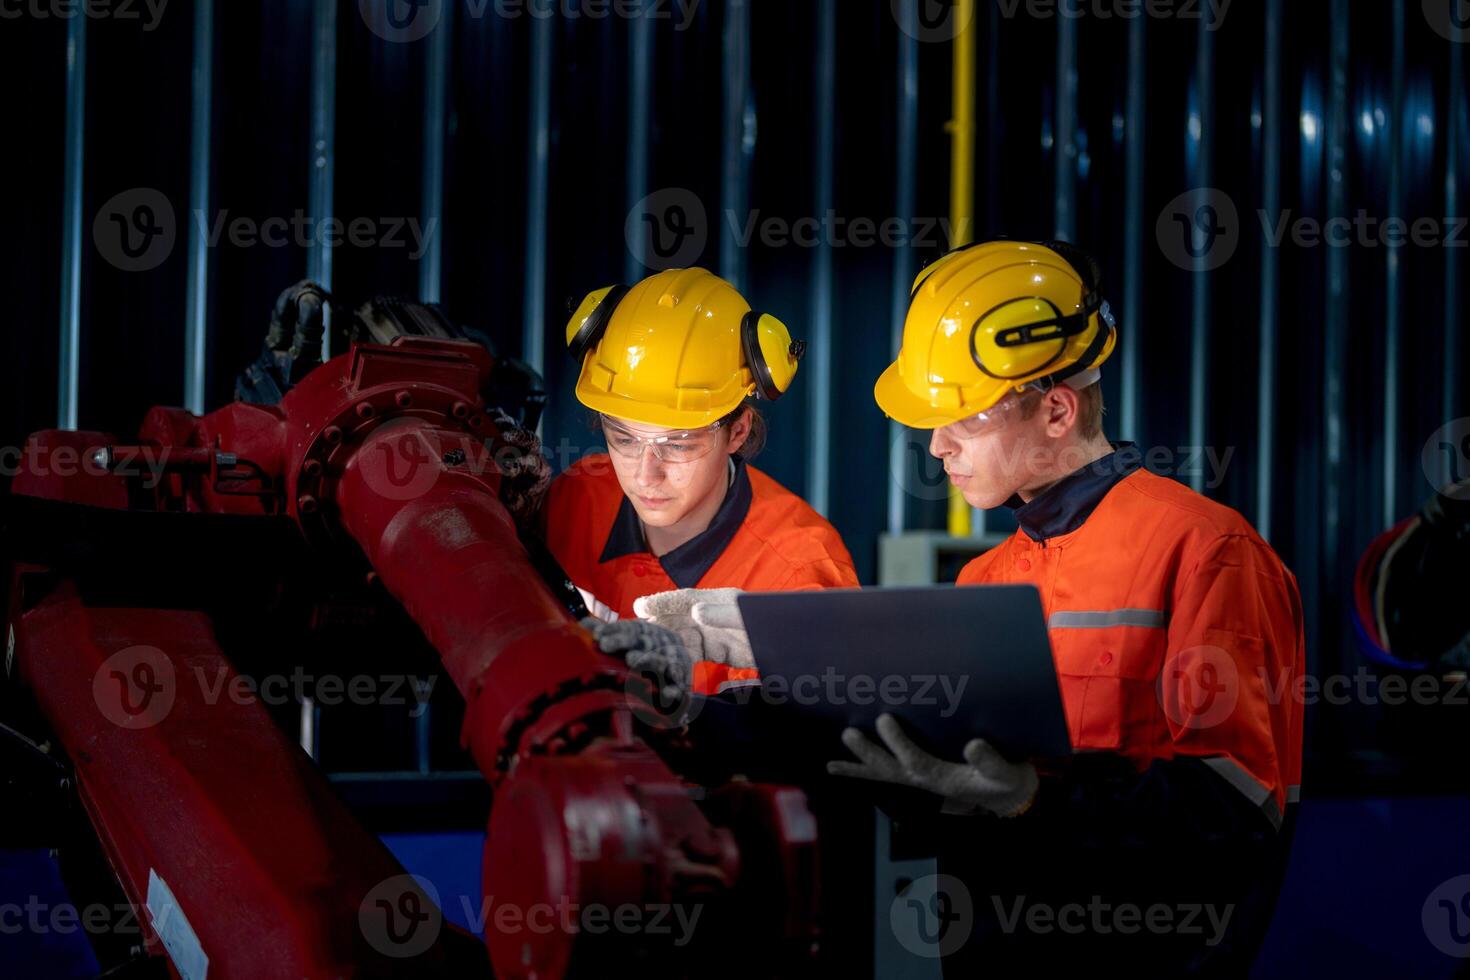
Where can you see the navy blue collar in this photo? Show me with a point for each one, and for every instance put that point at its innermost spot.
(686, 564)
(1065, 505)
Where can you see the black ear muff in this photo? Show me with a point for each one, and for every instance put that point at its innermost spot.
(590, 333)
(771, 379)
(750, 344)
(1092, 302)
(1054, 326)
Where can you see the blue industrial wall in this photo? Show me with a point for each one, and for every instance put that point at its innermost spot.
(1321, 372)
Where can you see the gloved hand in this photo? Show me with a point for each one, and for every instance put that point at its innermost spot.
(706, 620)
(984, 781)
(524, 471)
(293, 345)
(648, 648)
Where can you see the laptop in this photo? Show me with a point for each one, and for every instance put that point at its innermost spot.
(952, 663)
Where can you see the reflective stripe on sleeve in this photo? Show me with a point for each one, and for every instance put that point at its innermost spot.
(1246, 783)
(1149, 618)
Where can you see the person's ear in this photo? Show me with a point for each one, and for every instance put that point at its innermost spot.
(1061, 408)
(739, 431)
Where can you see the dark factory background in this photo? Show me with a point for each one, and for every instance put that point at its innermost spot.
(557, 155)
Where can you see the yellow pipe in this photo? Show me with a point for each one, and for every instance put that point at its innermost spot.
(962, 181)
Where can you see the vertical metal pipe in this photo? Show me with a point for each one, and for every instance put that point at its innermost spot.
(69, 366)
(196, 299)
(1336, 309)
(640, 97)
(1200, 315)
(423, 729)
(1270, 269)
(1133, 152)
(1392, 286)
(962, 520)
(323, 150)
(994, 122)
(738, 141)
(436, 119)
(819, 449)
(308, 722)
(538, 180)
(962, 129)
(1453, 325)
(1066, 129)
(906, 172)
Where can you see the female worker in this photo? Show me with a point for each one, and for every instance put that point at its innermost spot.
(671, 366)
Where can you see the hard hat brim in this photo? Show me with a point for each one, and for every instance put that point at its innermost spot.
(899, 403)
(644, 414)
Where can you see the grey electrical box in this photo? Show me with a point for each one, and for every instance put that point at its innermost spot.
(928, 557)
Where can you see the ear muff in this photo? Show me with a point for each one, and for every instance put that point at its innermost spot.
(1092, 302)
(770, 352)
(1021, 337)
(589, 322)
(1024, 336)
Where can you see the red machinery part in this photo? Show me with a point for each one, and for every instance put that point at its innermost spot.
(385, 454)
(220, 830)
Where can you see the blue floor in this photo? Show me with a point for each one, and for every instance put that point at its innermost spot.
(1352, 906)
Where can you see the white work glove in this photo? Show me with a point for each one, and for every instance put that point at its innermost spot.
(984, 781)
(706, 620)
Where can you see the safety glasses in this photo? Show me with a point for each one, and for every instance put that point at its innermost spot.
(669, 447)
(999, 415)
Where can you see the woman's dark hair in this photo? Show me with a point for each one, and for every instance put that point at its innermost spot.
(754, 442)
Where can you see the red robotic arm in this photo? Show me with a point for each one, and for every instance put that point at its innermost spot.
(385, 457)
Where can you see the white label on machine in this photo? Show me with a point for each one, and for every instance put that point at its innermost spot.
(173, 928)
(9, 649)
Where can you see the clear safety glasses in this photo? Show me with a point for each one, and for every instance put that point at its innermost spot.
(669, 447)
(999, 415)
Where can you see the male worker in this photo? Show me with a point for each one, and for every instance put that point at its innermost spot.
(1176, 631)
(1177, 636)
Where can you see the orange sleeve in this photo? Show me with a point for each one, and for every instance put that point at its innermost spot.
(826, 573)
(1233, 666)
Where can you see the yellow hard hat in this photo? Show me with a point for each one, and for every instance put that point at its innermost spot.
(993, 318)
(680, 350)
